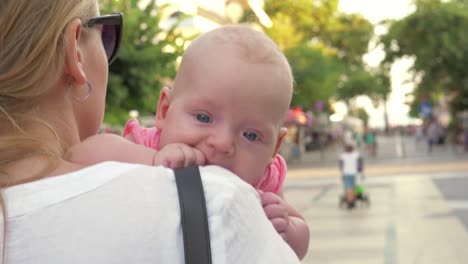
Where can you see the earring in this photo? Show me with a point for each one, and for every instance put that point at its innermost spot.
(82, 99)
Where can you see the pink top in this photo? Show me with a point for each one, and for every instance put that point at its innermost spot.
(271, 181)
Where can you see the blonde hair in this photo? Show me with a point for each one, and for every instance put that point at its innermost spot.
(253, 46)
(32, 48)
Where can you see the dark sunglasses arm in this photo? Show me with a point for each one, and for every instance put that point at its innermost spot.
(112, 19)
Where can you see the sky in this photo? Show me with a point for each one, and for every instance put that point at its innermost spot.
(376, 11)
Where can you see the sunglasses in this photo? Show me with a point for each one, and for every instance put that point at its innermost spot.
(111, 33)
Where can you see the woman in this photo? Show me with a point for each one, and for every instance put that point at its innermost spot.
(53, 75)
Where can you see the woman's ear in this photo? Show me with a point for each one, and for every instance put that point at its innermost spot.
(73, 55)
(163, 106)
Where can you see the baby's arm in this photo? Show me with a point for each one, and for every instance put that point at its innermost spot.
(109, 147)
(288, 222)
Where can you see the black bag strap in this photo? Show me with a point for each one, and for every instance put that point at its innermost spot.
(193, 216)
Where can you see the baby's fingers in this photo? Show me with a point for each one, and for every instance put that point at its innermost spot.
(192, 156)
(276, 211)
(279, 224)
(283, 235)
(269, 198)
(173, 157)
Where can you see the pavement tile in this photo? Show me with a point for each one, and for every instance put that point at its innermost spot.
(409, 222)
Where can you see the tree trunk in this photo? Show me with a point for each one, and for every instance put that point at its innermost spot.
(385, 114)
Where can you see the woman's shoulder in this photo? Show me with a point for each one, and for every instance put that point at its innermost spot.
(225, 187)
(220, 186)
(214, 178)
(63, 187)
(219, 176)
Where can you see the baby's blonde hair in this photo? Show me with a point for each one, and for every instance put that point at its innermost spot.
(252, 46)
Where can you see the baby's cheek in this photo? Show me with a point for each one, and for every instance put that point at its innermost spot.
(166, 138)
(251, 175)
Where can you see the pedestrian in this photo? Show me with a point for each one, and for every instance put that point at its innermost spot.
(371, 142)
(350, 164)
(433, 134)
(54, 59)
(197, 123)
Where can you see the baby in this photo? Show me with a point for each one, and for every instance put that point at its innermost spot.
(226, 108)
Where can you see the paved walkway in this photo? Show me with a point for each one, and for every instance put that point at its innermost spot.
(396, 155)
(418, 212)
(410, 221)
(382, 170)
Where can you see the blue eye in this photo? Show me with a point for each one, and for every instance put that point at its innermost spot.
(203, 118)
(251, 136)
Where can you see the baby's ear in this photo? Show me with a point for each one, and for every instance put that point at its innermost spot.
(163, 106)
(282, 133)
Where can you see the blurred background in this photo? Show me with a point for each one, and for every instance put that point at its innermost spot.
(359, 66)
(387, 75)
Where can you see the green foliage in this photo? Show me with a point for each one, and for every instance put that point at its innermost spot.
(350, 34)
(296, 21)
(435, 36)
(376, 85)
(316, 74)
(322, 45)
(358, 83)
(146, 58)
(362, 114)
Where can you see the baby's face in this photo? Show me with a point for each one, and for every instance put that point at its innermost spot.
(233, 115)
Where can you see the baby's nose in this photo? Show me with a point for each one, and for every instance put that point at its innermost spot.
(223, 143)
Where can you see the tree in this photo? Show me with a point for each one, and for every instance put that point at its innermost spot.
(146, 58)
(323, 45)
(435, 36)
(358, 83)
(350, 34)
(362, 114)
(374, 84)
(316, 74)
(297, 21)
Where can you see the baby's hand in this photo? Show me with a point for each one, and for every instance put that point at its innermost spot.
(276, 210)
(178, 156)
